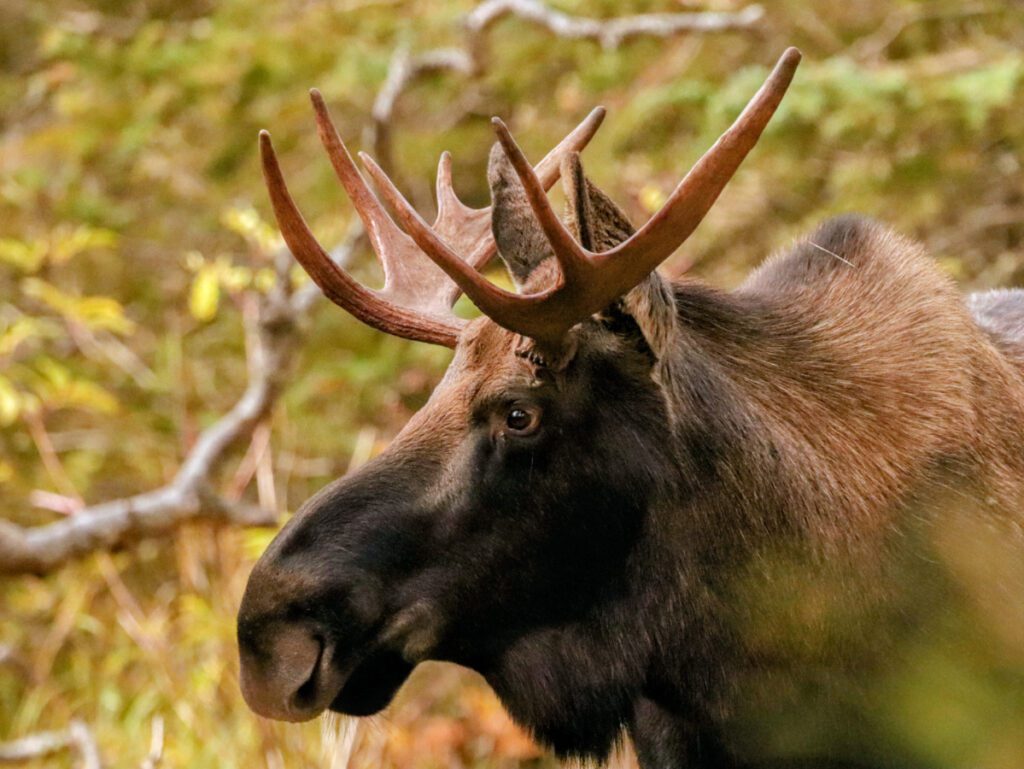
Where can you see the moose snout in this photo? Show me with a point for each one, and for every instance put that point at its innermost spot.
(287, 671)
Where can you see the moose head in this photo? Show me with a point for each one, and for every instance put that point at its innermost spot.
(512, 525)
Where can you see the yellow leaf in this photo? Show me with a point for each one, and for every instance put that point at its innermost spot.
(27, 257)
(56, 374)
(265, 279)
(255, 541)
(248, 223)
(205, 295)
(22, 330)
(87, 395)
(97, 312)
(104, 313)
(236, 278)
(10, 402)
(652, 198)
(60, 389)
(65, 244)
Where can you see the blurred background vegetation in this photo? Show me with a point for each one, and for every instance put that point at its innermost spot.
(134, 233)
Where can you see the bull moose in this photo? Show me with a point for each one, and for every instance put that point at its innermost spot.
(591, 508)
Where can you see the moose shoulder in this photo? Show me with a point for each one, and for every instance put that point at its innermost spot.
(609, 503)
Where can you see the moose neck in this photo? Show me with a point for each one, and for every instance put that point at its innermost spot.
(738, 360)
(764, 388)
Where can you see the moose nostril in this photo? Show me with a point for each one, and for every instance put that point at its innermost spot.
(285, 680)
(306, 695)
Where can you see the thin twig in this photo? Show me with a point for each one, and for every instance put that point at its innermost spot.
(156, 744)
(83, 740)
(48, 455)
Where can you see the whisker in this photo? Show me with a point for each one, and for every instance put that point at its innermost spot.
(832, 253)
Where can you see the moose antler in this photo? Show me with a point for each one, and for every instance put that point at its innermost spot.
(416, 299)
(591, 281)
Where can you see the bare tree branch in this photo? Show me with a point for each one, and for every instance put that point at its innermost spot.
(76, 737)
(39, 745)
(190, 495)
(611, 33)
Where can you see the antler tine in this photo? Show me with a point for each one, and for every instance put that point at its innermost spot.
(466, 229)
(447, 201)
(591, 281)
(368, 306)
(696, 193)
(390, 243)
(492, 300)
(549, 168)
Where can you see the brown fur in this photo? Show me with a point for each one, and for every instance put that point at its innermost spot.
(869, 365)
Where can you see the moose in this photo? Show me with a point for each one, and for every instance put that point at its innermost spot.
(592, 507)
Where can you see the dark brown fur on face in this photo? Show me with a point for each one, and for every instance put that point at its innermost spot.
(718, 525)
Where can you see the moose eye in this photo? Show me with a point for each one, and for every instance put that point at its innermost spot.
(522, 420)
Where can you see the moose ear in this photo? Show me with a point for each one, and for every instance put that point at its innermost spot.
(599, 225)
(593, 218)
(521, 242)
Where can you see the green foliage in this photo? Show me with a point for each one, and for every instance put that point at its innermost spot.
(133, 227)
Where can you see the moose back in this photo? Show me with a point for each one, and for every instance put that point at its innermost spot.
(645, 507)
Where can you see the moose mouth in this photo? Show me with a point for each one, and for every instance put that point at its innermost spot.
(372, 684)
